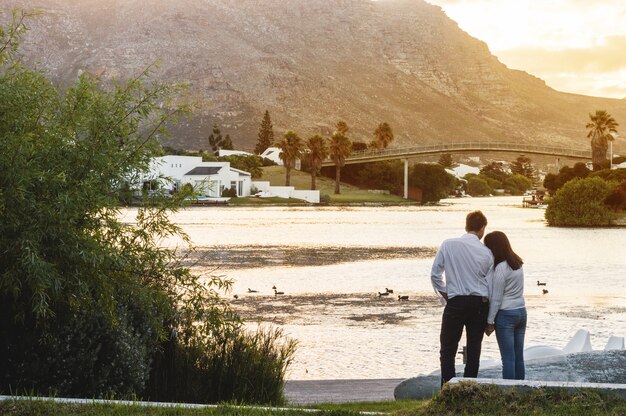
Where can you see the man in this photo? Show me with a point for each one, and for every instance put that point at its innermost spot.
(464, 291)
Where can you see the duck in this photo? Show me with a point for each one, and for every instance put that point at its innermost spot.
(276, 293)
(545, 291)
(383, 294)
(388, 290)
(252, 291)
(540, 283)
(236, 297)
(403, 297)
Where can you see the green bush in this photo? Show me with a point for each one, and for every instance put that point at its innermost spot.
(580, 202)
(477, 186)
(616, 200)
(617, 175)
(229, 192)
(554, 182)
(517, 184)
(433, 180)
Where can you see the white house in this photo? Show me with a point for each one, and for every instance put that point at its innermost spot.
(224, 152)
(273, 154)
(208, 178)
(211, 178)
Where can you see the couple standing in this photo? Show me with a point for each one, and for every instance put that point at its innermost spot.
(482, 291)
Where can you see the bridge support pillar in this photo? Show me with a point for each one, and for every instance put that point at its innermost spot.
(406, 178)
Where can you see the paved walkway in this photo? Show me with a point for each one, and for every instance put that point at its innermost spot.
(340, 391)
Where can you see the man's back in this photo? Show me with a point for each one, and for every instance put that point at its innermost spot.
(466, 262)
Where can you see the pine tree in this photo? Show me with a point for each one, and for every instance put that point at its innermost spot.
(227, 143)
(523, 166)
(266, 134)
(215, 138)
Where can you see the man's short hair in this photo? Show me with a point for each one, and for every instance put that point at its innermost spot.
(474, 221)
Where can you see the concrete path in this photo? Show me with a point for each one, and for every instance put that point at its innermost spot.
(340, 391)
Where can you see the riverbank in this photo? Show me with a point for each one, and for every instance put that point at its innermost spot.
(350, 195)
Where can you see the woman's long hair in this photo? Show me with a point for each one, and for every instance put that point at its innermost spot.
(499, 245)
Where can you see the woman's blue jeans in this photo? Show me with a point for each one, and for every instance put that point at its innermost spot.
(510, 331)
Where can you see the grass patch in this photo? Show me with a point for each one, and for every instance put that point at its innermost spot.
(49, 408)
(390, 407)
(472, 399)
(275, 175)
(464, 399)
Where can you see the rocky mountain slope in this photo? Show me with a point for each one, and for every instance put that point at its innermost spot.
(310, 63)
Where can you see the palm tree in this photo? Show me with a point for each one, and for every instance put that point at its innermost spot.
(600, 127)
(341, 127)
(340, 149)
(291, 146)
(383, 135)
(318, 151)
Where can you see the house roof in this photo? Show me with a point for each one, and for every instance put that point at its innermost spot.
(204, 170)
(241, 172)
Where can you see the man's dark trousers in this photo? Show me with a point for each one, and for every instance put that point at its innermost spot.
(462, 311)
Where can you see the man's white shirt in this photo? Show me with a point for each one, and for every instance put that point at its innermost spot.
(466, 262)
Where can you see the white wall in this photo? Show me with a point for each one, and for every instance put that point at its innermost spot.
(287, 192)
(309, 196)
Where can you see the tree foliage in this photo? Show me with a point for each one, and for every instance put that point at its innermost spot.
(217, 142)
(383, 136)
(265, 135)
(517, 184)
(523, 166)
(88, 300)
(340, 148)
(478, 186)
(616, 200)
(446, 161)
(580, 202)
(292, 148)
(387, 175)
(554, 182)
(318, 151)
(433, 180)
(495, 170)
(600, 126)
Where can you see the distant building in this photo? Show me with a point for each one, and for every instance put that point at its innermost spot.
(273, 154)
(208, 178)
(211, 178)
(223, 152)
(461, 170)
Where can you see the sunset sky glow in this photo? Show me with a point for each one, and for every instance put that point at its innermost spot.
(576, 46)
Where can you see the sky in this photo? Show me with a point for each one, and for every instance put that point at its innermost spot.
(576, 46)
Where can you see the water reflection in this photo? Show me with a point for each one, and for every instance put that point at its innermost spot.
(331, 262)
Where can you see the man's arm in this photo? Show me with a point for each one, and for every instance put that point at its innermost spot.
(436, 274)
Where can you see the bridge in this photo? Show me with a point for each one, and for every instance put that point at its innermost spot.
(404, 153)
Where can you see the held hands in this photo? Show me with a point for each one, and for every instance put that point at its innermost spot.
(489, 329)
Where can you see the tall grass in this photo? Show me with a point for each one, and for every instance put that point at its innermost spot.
(246, 367)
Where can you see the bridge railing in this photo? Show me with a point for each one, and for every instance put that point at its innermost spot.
(467, 146)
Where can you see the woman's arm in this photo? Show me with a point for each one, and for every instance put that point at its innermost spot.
(496, 292)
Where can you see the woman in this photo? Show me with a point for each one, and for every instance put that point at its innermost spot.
(507, 311)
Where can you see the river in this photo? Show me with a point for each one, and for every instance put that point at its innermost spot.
(331, 262)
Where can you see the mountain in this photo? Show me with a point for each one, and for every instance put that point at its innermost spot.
(310, 63)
